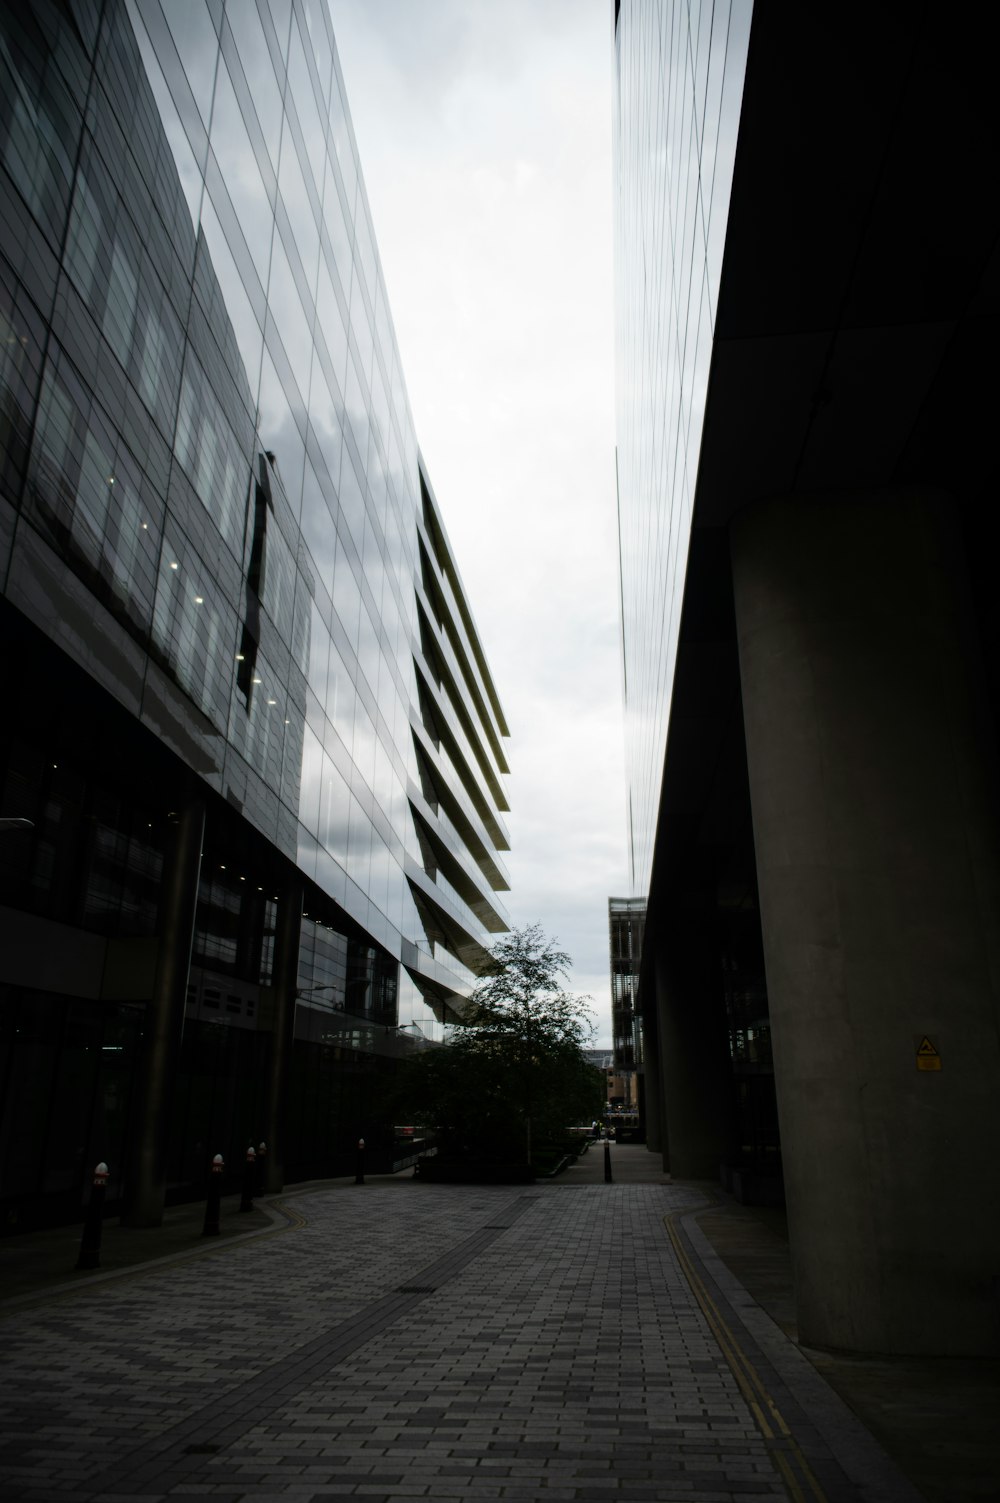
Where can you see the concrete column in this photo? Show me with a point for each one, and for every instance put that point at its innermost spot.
(875, 828)
(284, 984)
(164, 1020)
(652, 1094)
(651, 1091)
(694, 1065)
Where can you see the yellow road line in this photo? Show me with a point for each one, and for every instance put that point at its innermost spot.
(783, 1447)
(295, 1219)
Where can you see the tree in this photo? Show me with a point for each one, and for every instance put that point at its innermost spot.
(515, 1072)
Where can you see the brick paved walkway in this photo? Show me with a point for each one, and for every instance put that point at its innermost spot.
(536, 1343)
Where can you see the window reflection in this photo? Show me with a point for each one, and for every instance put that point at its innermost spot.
(194, 627)
(692, 63)
(347, 598)
(258, 69)
(207, 448)
(241, 175)
(318, 528)
(340, 133)
(280, 432)
(313, 127)
(196, 41)
(187, 163)
(330, 325)
(289, 314)
(298, 204)
(217, 441)
(323, 413)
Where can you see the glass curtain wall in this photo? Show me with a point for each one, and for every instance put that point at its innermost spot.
(679, 85)
(212, 503)
(221, 444)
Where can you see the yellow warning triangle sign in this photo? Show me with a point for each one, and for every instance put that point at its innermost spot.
(927, 1049)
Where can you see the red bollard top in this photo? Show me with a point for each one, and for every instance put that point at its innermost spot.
(218, 1164)
(361, 1142)
(261, 1150)
(101, 1174)
(250, 1154)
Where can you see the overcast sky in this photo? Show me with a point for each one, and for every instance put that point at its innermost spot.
(484, 130)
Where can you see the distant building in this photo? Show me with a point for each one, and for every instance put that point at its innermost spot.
(626, 921)
(619, 1086)
(246, 709)
(806, 272)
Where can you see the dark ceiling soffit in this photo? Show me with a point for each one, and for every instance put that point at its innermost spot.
(859, 255)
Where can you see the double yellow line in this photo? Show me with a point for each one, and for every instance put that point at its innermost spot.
(795, 1470)
(295, 1219)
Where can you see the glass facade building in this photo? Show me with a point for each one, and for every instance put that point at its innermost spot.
(250, 719)
(679, 75)
(678, 88)
(626, 921)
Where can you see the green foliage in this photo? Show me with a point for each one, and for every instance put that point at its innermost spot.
(515, 1073)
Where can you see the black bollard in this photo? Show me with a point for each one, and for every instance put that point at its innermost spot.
(261, 1157)
(93, 1223)
(213, 1203)
(607, 1162)
(359, 1177)
(249, 1175)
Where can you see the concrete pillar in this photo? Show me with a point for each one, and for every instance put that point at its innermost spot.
(164, 1020)
(694, 1065)
(284, 985)
(875, 829)
(652, 1094)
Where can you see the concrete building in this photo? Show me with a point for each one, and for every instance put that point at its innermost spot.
(807, 284)
(249, 729)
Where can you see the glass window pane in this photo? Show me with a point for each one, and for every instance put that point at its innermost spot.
(347, 598)
(330, 324)
(194, 627)
(338, 228)
(318, 530)
(326, 424)
(197, 46)
(357, 414)
(300, 89)
(208, 450)
(299, 208)
(119, 310)
(334, 813)
(311, 781)
(294, 328)
(244, 321)
(352, 499)
(241, 175)
(319, 42)
(342, 143)
(259, 71)
(279, 432)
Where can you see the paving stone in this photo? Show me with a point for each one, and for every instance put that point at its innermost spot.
(416, 1341)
